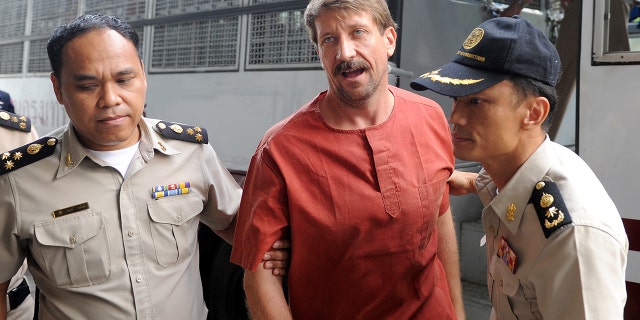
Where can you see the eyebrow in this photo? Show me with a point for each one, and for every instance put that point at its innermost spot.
(86, 77)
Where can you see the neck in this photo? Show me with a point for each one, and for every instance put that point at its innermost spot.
(347, 116)
(502, 169)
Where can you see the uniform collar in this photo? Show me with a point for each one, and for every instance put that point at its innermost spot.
(509, 204)
(73, 152)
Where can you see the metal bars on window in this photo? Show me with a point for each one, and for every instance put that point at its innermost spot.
(183, 35)
(196, 45)
(279, 39)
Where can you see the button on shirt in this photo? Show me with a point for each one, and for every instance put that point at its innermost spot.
(124, 255)
(577, 272)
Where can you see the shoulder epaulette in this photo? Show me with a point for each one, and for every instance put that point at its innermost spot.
(183, 132)
(550, 207)
(29, 153)
(12, 120)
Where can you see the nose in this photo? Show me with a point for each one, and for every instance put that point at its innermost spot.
(110, 97)
(456, 117)
(346, 49)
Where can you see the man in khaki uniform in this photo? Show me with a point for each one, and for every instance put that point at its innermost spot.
(16, 130)
(107, 208)
(556, 246)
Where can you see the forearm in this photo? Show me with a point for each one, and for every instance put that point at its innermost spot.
(265, 296)
(515, 8)
(448, 255)
(228, 232)
(3, 301)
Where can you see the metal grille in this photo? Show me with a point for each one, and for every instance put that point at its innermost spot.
(13, 18)
(38, 60)
(11, 61)
(49, 14)
(210, 44)
(266, 1)
(166, 8)
(279, 38)
(127, 10)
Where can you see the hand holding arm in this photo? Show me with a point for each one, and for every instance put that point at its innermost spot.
(3, 300)
(461, 183)
(277, 259)
(515, 8)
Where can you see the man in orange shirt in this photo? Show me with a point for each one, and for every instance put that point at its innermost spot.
(356, 179)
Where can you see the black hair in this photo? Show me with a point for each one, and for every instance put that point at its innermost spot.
(530, 87)
(80, 25)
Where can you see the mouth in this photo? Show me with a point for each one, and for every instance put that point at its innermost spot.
(350, 69)
(112, 119)
(458, 138)
(352, 74)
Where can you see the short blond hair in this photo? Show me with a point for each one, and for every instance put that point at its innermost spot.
(377, 8)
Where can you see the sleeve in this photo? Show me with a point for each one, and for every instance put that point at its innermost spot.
(11, 248)
(263, 217)
(446, 147)
(580, 274)
(223, 192)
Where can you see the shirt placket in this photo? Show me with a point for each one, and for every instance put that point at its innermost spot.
(133, 244)
(384, 170)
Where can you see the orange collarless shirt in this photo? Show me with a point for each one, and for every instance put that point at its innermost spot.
(360, 207)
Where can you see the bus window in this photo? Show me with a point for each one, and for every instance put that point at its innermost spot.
(616, 32)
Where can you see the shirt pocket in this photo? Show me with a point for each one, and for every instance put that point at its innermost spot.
(73, 251)
(173, 228)
(430, 199)
(504, 287)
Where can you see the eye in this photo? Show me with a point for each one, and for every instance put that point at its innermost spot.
(87, 87)
(124, 80)
(475, 101)
(328, 39)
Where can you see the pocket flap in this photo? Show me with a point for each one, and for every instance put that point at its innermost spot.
(506, 281)
(175, 210)
(69, 232)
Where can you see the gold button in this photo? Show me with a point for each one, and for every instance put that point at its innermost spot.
(72, 239)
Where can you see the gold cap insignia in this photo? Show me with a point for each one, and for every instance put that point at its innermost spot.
(473, 38)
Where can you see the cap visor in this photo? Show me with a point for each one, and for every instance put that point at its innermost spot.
(457, 80)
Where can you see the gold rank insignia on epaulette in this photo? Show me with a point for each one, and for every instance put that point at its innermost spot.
(29, 153)
(550, 207)
(12, 120)
(183, 132)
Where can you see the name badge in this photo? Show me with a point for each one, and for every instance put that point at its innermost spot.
(70, 210)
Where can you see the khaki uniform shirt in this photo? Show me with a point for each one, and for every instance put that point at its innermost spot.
(115, 251)
(578, 272)
(9, 139)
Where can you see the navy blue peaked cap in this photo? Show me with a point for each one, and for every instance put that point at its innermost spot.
(493, 51)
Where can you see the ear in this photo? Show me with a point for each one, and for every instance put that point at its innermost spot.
(56, 87)
(537, 112)
(390, 36)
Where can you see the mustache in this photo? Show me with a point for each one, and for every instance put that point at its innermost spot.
(346, 66)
